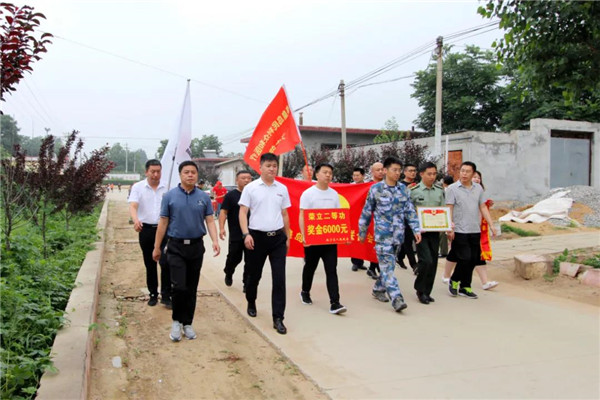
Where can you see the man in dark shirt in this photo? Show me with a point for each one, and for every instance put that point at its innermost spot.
(230, 211)
(407, 249)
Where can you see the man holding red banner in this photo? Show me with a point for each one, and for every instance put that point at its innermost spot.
(320, 196)
(389, 203)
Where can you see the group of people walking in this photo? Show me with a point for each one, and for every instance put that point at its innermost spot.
(172, 225)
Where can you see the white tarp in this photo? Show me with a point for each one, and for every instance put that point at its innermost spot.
(556, 206)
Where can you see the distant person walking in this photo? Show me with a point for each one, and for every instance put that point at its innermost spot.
(219, 191)
(230, 211)
(144, 208)
(467, 204)
(266, 235)
(320, 195)
(388, 202)
(185, 216)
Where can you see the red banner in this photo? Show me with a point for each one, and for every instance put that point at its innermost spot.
(276, 132)
(327, 226)
(352, 197)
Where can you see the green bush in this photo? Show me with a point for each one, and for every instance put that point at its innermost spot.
(593, 261)
(34, 294)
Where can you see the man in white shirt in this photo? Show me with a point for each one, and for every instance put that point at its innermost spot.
(320, 196)
(266, 234)
(144, 208)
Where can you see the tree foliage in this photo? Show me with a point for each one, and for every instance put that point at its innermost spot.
(472, 98)
(19, 47)
(197, 146)
(390, 132)
(552, 48)
(125, 159)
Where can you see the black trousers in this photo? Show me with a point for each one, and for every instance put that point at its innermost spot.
(312, 255)
(357, 261)
(185, 262)
(237, 251)
(427, 250)
(273, 247)
(407, 247)
(466, 249)
(146, 239)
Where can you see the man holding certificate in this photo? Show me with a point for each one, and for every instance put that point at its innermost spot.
(427, 194)
(322, 197)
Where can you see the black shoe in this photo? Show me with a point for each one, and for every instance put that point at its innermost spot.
(228, 280)
(423, 298)
(153, 300)
(401, 264)
(415, 268)
(305, 297)
(337, 308)
(279, 326)
(166, 301)
(431, 299)
(354, 267)
(467, 292)
(372, 273)
(252, 309)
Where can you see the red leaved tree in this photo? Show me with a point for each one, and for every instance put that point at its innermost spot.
(18, 45)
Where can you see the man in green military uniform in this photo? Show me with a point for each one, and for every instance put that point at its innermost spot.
(427, 194)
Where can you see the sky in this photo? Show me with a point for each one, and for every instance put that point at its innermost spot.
(117, 70)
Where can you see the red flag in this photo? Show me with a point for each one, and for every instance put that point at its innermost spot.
(275, 133)
(352, 196)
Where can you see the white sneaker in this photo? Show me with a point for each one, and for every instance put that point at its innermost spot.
(189, 332)
(446, 280)
(490, 285)
(175, 334)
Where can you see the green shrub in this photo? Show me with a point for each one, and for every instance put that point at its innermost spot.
(34, 294)
(518, 231)
(593, 261)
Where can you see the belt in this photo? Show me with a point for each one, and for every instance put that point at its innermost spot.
(186, 241)
(145, 225)
(271, 233)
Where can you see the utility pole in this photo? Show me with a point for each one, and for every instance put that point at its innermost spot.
(438, 100)
(341, 88)
(126, 158)
(47, 132)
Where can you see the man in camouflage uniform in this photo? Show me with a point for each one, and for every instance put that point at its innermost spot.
(389, 202)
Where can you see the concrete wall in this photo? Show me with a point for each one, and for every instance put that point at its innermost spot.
(516, 165)
(312, 140)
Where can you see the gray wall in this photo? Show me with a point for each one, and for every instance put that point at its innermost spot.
(516, 165)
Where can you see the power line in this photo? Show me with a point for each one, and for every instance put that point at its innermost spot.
(158, 69)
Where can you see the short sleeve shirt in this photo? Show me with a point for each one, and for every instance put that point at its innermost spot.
(148, 201)
(230, 203)
(186, 212)
(466, 201)
(314, 197)
(423, 196)
(219, 191)
(265, 203)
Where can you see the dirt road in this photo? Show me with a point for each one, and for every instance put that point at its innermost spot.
(229, 359)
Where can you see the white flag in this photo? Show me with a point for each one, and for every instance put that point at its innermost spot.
(178, 147)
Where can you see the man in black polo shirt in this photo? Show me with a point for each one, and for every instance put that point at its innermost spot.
(183, 214)
(230, 211)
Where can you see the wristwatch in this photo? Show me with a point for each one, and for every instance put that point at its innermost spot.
(244, 235)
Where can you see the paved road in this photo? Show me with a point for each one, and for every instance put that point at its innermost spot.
(506, 344)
